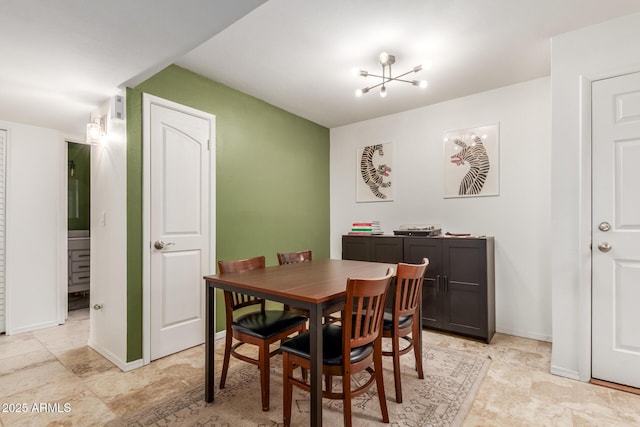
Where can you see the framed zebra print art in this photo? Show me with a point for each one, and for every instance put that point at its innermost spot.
(375, 173)
(471, 162)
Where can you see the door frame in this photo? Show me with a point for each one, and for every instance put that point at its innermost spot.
(585, 231)
(147, 101)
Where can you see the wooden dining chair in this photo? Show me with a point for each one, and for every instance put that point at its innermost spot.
(260, 328)
(294, 257)
(303, 256)
(404, 318)
(349, 348)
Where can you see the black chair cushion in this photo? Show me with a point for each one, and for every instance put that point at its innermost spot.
(266, 324)
(331, 346)
(387, 322)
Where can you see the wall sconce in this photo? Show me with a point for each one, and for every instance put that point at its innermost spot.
(97, 130)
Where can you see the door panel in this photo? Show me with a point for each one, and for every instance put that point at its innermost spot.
(180, 267)
(356, 248)
(179, 216)
(464, 309)
(616, 247)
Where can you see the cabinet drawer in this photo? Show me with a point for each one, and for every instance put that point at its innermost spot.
(80, 266)
(80, 255)
(80, 277)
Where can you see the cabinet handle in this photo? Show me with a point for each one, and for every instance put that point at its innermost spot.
(439, 284)
(446, 284)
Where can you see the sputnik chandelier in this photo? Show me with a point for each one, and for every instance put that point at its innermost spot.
(386, 60)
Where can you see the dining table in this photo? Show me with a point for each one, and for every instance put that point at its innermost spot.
(312, 285)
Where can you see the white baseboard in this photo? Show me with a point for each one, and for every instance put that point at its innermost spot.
(30, 328)
(124, 366)
(567, 373)
(523, 334)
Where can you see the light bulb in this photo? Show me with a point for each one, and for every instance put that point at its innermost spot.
(383, 92)
(423, 84)
(359, 92)
(384, 58)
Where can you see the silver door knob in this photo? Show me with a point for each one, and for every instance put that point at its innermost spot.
(604, 226)
(159, 244)
(97, 306)
(604, 247)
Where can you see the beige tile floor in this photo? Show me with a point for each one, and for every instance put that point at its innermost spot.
(54, 366)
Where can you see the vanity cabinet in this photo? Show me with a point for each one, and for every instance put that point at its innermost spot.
(458, 293)
(79, 261)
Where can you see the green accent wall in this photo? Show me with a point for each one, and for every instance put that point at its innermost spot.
(79, 186)
(272, 180)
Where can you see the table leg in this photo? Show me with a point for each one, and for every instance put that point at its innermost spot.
(209, 343)
(315, 330)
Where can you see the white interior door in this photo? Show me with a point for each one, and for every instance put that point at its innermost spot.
(616, 230)
(179, 227)
(3, 299)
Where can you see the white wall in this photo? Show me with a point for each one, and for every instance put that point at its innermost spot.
(519, 217)
(578, 58)
(108, 326)
(36, 227)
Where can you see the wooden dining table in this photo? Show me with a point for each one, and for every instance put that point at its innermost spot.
(311, 285)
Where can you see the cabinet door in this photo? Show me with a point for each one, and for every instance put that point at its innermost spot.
(387, 249)
(356, 248)
(416, 248)
(465, 293)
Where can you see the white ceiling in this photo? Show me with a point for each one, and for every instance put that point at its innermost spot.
(60, 59)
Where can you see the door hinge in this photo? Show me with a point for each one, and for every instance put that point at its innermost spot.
(208, 144)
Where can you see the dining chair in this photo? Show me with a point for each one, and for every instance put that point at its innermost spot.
(294, 257)
(302, 256)
(260, 328)
(349, 348)
(403, 319)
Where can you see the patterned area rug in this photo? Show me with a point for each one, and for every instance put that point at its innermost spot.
(442, 398)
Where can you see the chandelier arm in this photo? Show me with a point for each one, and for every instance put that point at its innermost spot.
(401, 80)
(375, 75)
(376, 85)
(404, 74)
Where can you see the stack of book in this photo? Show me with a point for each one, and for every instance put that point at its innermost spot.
(366, 228)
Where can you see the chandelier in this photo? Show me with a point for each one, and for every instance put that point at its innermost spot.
(386, 60)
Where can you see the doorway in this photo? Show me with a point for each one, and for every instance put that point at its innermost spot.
(78, 225)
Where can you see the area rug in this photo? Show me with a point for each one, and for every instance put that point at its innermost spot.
(442, 398)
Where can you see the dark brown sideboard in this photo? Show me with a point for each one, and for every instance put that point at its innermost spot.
(459, 286)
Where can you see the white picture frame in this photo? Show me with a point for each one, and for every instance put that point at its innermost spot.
(472, 162)
(374, 176)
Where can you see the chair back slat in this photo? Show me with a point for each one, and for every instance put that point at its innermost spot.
(293, 257)
(408, 292)
(364, 311)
